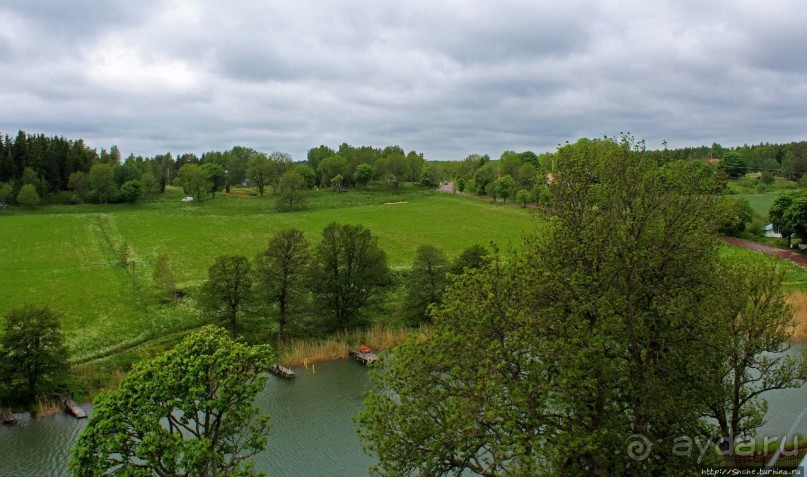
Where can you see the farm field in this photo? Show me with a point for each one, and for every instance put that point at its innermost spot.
(66, 256)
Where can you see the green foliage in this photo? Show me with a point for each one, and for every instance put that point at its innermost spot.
(149, 184)
(767, 177)
(504, 187)
(461, 185)
(471, 258)
(281, 275)
(470, 399)
(426, 282)
(189, 411)
(563, 352)
(260, 171)
(750, 329)
(292, 192)
(308, 174)
(28, 196)
(331, 167)
(217, 175)
(227, 293)
(484, 176)
(363, 174)
(733, 164)
(788, 214)
(6, 192)
(163, 279)
(32, 349)
(349, 270)
(737, 213)
(523, 196)
(130, 191)
(102, 182)
(79, 183)
(195, 180)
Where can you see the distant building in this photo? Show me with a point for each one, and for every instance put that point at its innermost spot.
(769, 232)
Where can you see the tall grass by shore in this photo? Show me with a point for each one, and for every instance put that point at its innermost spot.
(798, 299)
(378, 337)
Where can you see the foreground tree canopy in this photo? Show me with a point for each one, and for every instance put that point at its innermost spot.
(188, 412)
(603, 328)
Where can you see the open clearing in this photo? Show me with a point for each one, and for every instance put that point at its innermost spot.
(65, 256)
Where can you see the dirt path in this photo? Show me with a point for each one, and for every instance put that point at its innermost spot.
(783, 253)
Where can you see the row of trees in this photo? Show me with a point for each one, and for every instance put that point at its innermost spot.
(337, 278)
(620, 321)
(344, 272)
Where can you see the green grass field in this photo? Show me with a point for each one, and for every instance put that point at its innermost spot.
(65, 256)
(761, 203)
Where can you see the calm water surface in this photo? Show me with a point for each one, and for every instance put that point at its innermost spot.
(313, 433)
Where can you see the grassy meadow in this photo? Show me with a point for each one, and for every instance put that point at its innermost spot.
(66, 256)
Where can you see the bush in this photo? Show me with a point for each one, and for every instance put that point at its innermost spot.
(63, 197)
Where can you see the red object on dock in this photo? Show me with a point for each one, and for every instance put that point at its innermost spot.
(365, 349)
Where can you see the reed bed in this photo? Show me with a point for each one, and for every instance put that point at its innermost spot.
(798, 299)
(45, 406)
(378, 337)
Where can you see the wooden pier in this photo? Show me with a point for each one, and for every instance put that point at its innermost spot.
(6, 417)
(363, 357)
(282, 371)
(71, 407)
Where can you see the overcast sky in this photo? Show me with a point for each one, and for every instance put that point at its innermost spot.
(444, 78)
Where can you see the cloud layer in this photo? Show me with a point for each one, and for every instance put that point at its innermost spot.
(445, 78)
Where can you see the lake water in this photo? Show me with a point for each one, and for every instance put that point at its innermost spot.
(313, 432)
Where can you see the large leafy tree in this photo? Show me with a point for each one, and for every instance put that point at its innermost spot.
(751, 327)
(349, 270)
(292, 191)
(227, 293)
(218, 177)
(102, 182)
(32, 348)
(281, 274)
(79, 184)
(788, 214)
(570, 348)
(189, 411)
(733, 164)
(260, 170)
(426, 282)
(195, 180)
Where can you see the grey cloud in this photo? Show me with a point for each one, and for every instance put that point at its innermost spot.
(445, 78)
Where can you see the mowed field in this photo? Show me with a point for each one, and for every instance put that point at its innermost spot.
(65, 257)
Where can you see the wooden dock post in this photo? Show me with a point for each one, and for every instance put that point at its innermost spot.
(282, 371)
(71, 407)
